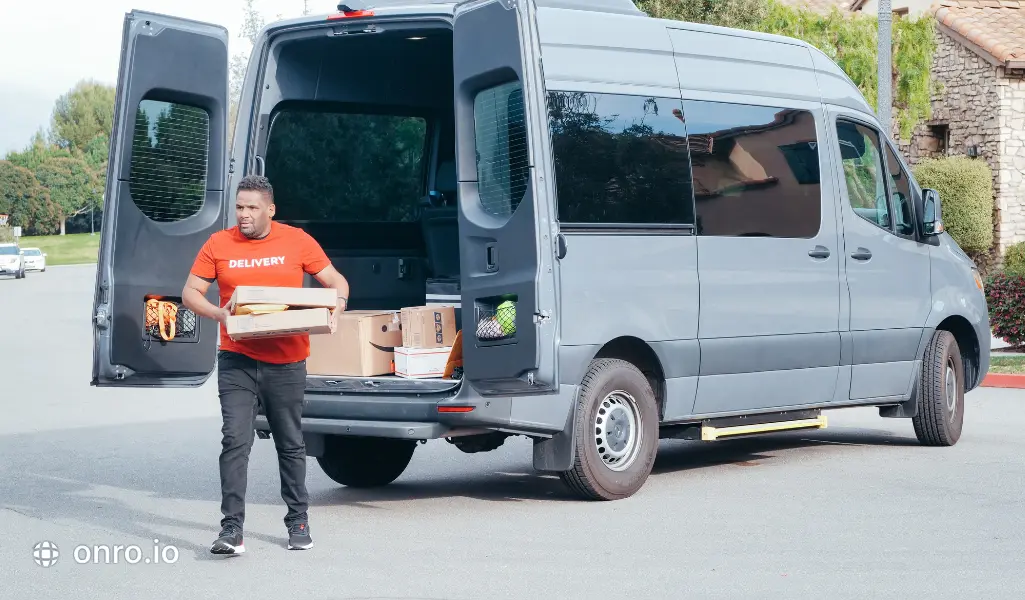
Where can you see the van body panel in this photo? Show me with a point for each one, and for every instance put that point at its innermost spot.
(173, 74)
(890, 290)
(835, 87)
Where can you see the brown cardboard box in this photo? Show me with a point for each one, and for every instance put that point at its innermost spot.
(363, 345)
(428, 327)
(293, 297)
(290, 322)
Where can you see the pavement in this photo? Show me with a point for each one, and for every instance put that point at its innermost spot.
(858, 510)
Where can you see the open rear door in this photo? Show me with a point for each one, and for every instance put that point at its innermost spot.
(164, 197)
(508, 266)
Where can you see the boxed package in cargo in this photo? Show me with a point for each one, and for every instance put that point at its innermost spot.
(428, 327)
(362, 346)
(421, 363)
(247, 299)
(312, 321)
(445, 292)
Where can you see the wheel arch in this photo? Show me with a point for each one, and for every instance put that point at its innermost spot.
(641, 355)
(968, 345)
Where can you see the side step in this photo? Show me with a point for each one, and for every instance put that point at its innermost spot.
(711, 430)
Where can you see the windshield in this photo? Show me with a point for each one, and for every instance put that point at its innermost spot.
(32, 252)
(8, 250)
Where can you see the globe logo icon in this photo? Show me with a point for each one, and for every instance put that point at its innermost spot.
(45, 553)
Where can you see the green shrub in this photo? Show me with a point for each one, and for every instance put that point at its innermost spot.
(1014, 259)
(6, 236)
(1005, 296)
(966, 191)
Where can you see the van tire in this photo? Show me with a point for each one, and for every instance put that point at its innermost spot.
(365, 462)
(939, 419)
(619, 385)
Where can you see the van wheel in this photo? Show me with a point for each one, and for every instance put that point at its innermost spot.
(364, 462)
(940, 393)
(615, 432)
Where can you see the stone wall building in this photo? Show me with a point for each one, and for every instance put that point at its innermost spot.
(979, 108)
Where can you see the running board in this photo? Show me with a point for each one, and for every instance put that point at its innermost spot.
(710, 433)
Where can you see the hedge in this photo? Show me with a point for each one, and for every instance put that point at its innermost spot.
(1005, 295)
(1014, 259)
(6, 235)
(966, 192)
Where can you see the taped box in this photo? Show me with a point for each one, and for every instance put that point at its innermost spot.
(428, 327)
(363, 346)
(311, 321)
(421, 363)
(258, 299)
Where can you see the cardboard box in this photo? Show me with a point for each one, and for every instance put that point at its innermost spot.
(293, 297)
(363, 345)
(280, 324)
(428, 327)
(421, 363)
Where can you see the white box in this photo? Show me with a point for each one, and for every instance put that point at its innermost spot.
(421, 363)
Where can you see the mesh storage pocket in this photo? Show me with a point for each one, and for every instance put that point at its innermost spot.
(169, 320)
(496, 323)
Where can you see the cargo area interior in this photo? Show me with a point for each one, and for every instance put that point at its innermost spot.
(360, 152)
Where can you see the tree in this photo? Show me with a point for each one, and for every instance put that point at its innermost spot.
(252, 25)
(82, 114)
(742, 14)
(25, 200)
(72, 186)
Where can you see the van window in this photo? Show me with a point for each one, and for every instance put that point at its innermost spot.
(863, 172)
(167, 178)
(901, 195)
(500, 134)
(756, 170)
(620, 160)
(345, 167)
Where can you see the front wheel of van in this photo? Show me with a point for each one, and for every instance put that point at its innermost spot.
(940, 414)
(364, 462)
(615, 433)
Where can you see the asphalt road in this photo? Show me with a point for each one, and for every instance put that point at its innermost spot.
(856, 511)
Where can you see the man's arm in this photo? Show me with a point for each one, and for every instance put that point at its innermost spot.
(194, 298)
(329, 277)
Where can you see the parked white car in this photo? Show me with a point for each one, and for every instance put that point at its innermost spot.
(35, 259)
(11, 261)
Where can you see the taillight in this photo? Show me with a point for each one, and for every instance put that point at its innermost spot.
(353, 14)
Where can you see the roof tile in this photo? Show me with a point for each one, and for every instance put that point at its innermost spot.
(996, 26)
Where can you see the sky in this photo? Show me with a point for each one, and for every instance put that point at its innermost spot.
(47, 46)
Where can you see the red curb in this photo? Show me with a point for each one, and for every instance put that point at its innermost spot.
(1004, 380)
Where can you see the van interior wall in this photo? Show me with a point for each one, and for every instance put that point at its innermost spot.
(360, 140)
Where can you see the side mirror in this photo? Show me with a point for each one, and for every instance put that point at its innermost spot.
(932, 213)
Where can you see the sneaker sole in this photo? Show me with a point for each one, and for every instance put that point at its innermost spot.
(302, 547)
(228, 550)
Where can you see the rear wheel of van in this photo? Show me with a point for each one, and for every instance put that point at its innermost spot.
(940, 393)
(615, 433)
(363, 462)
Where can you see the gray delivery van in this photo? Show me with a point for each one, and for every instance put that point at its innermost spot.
(702, 231)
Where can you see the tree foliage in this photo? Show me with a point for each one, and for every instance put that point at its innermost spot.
(72, 186)
(25, 200)
(81, 115)
(966, 191)
(849, 39)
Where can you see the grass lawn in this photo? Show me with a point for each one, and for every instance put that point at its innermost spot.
(71, 249)
(1007, 364)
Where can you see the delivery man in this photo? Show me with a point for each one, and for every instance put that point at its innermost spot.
(270, 372)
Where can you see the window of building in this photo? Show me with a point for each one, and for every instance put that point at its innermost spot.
(901, 195)
(863, 172)
(620, 160)
(167, 179)
(346, 167)
(500, 132)
(756, 170)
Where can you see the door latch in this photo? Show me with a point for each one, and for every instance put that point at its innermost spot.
(491, 265)
(100, 318)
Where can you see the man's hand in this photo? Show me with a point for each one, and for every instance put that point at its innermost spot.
(331, 278)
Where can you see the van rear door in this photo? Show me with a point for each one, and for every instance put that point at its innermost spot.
(164, 197)
(506, 237)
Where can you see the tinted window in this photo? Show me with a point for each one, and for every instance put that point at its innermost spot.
(169, 160)
(331, 166)
(33, 253)
(863, 172)
(620, 159)
(900, 192)
(9, 250)
(501, 137)
(756, 170)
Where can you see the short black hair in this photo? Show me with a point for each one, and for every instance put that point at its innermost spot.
(257, 183)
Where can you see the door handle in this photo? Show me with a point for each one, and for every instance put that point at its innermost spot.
(491, 263)
(819, 252)
(861, 254)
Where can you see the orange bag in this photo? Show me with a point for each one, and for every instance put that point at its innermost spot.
(163, 316)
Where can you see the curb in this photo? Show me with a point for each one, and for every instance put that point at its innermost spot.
(1004, 380)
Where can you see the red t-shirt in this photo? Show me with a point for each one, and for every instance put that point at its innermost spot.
(279, 260)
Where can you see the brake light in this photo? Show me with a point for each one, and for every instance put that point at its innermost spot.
(352, 14)
(455, 409)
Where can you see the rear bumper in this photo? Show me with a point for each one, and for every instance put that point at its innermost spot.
(406, 430)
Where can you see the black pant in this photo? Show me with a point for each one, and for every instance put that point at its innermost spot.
(245, 384)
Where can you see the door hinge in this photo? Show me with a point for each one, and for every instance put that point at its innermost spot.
(231, 165)
(542, 317)
(101, 319)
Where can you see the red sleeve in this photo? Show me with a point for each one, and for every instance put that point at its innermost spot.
(205, 265)
(314, 258)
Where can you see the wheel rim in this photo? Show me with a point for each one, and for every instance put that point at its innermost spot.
(950, 383)
(617, 432)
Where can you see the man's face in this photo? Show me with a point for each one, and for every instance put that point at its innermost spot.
(253, 211)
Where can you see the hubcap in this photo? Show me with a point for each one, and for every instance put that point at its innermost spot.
(616, 431)
(950, 383)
